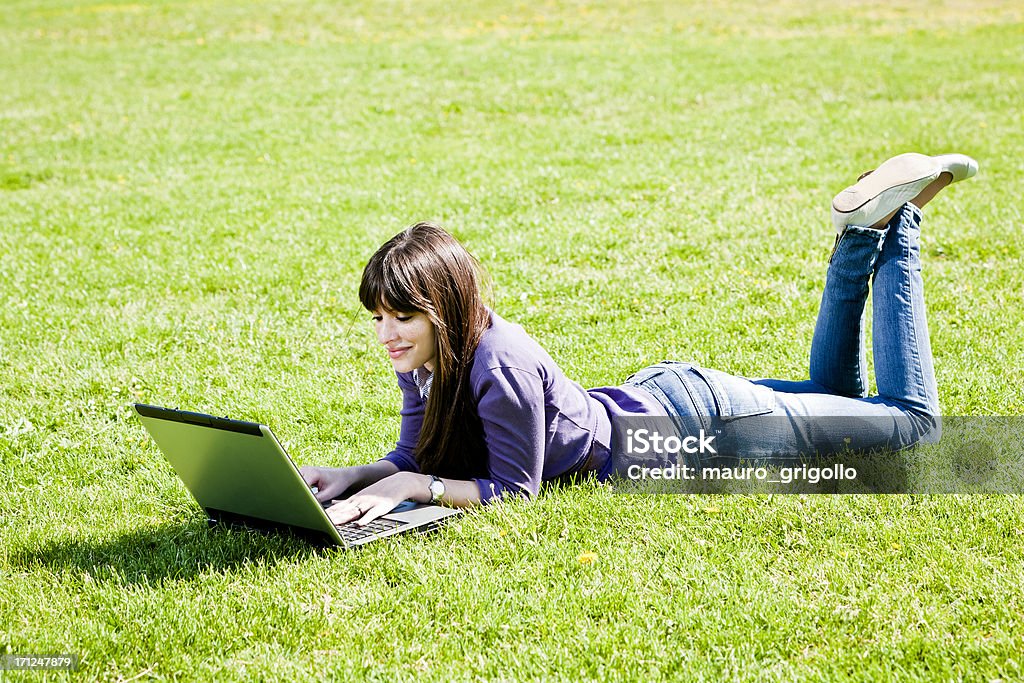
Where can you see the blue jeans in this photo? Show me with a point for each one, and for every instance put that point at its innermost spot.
(831, 412)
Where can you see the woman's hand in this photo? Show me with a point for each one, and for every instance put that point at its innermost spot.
(381, 498)
(331, 482)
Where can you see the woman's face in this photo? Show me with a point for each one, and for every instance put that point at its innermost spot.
(408, 337)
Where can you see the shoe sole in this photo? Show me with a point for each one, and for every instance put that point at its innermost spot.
(901, 177)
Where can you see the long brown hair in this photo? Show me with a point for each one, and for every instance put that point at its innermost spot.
(424, 269)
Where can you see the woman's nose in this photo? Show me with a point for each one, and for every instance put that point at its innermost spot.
(385, 332)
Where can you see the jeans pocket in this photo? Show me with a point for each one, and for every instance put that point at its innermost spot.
(737, 396)
(644, 375)
(651, 385)
(668, 387)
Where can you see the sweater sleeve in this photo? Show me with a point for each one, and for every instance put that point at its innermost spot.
(511, 408)
(403, 456)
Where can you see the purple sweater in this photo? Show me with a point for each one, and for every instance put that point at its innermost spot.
(537, 423)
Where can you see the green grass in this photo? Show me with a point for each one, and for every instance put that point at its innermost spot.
(188, 192)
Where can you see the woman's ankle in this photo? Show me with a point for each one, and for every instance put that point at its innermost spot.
(927, 194)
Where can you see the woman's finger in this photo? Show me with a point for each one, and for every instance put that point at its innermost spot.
(327, 491)
(311, 475)
(343, 512)
(380, 507)
(314, 478)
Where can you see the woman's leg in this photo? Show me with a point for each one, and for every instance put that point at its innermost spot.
(903, 412)
(904, 370)
(831, 413)
(903, 361)
(838, 415)
(838, 358)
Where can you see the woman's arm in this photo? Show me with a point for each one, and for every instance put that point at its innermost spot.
(333, 482)
(382, 497)
(413, 409)
(510, 402)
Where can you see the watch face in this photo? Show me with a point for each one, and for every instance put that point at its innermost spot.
(436, 489)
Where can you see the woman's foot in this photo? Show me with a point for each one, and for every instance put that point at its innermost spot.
(955, 167)
(878, 195)
(959, 166)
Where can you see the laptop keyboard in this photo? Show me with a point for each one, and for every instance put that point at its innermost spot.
(353, 532)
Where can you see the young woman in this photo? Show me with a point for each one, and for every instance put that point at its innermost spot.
(486, 412)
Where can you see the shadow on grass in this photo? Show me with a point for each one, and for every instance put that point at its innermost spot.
(169, 552)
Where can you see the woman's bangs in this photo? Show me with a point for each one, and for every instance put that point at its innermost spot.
(390, 288)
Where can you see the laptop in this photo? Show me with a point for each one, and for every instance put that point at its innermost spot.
(239, 474)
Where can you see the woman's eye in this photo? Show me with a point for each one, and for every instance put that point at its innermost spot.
(377, 318)
(403, 318)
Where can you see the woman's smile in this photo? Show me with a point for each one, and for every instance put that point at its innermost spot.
(397, 352)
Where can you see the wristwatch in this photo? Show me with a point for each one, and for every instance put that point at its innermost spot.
(436, 490)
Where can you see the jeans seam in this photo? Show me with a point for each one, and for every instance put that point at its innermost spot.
(918, 382)
(695, 400)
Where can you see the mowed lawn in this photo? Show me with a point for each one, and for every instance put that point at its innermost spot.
(189, 191)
